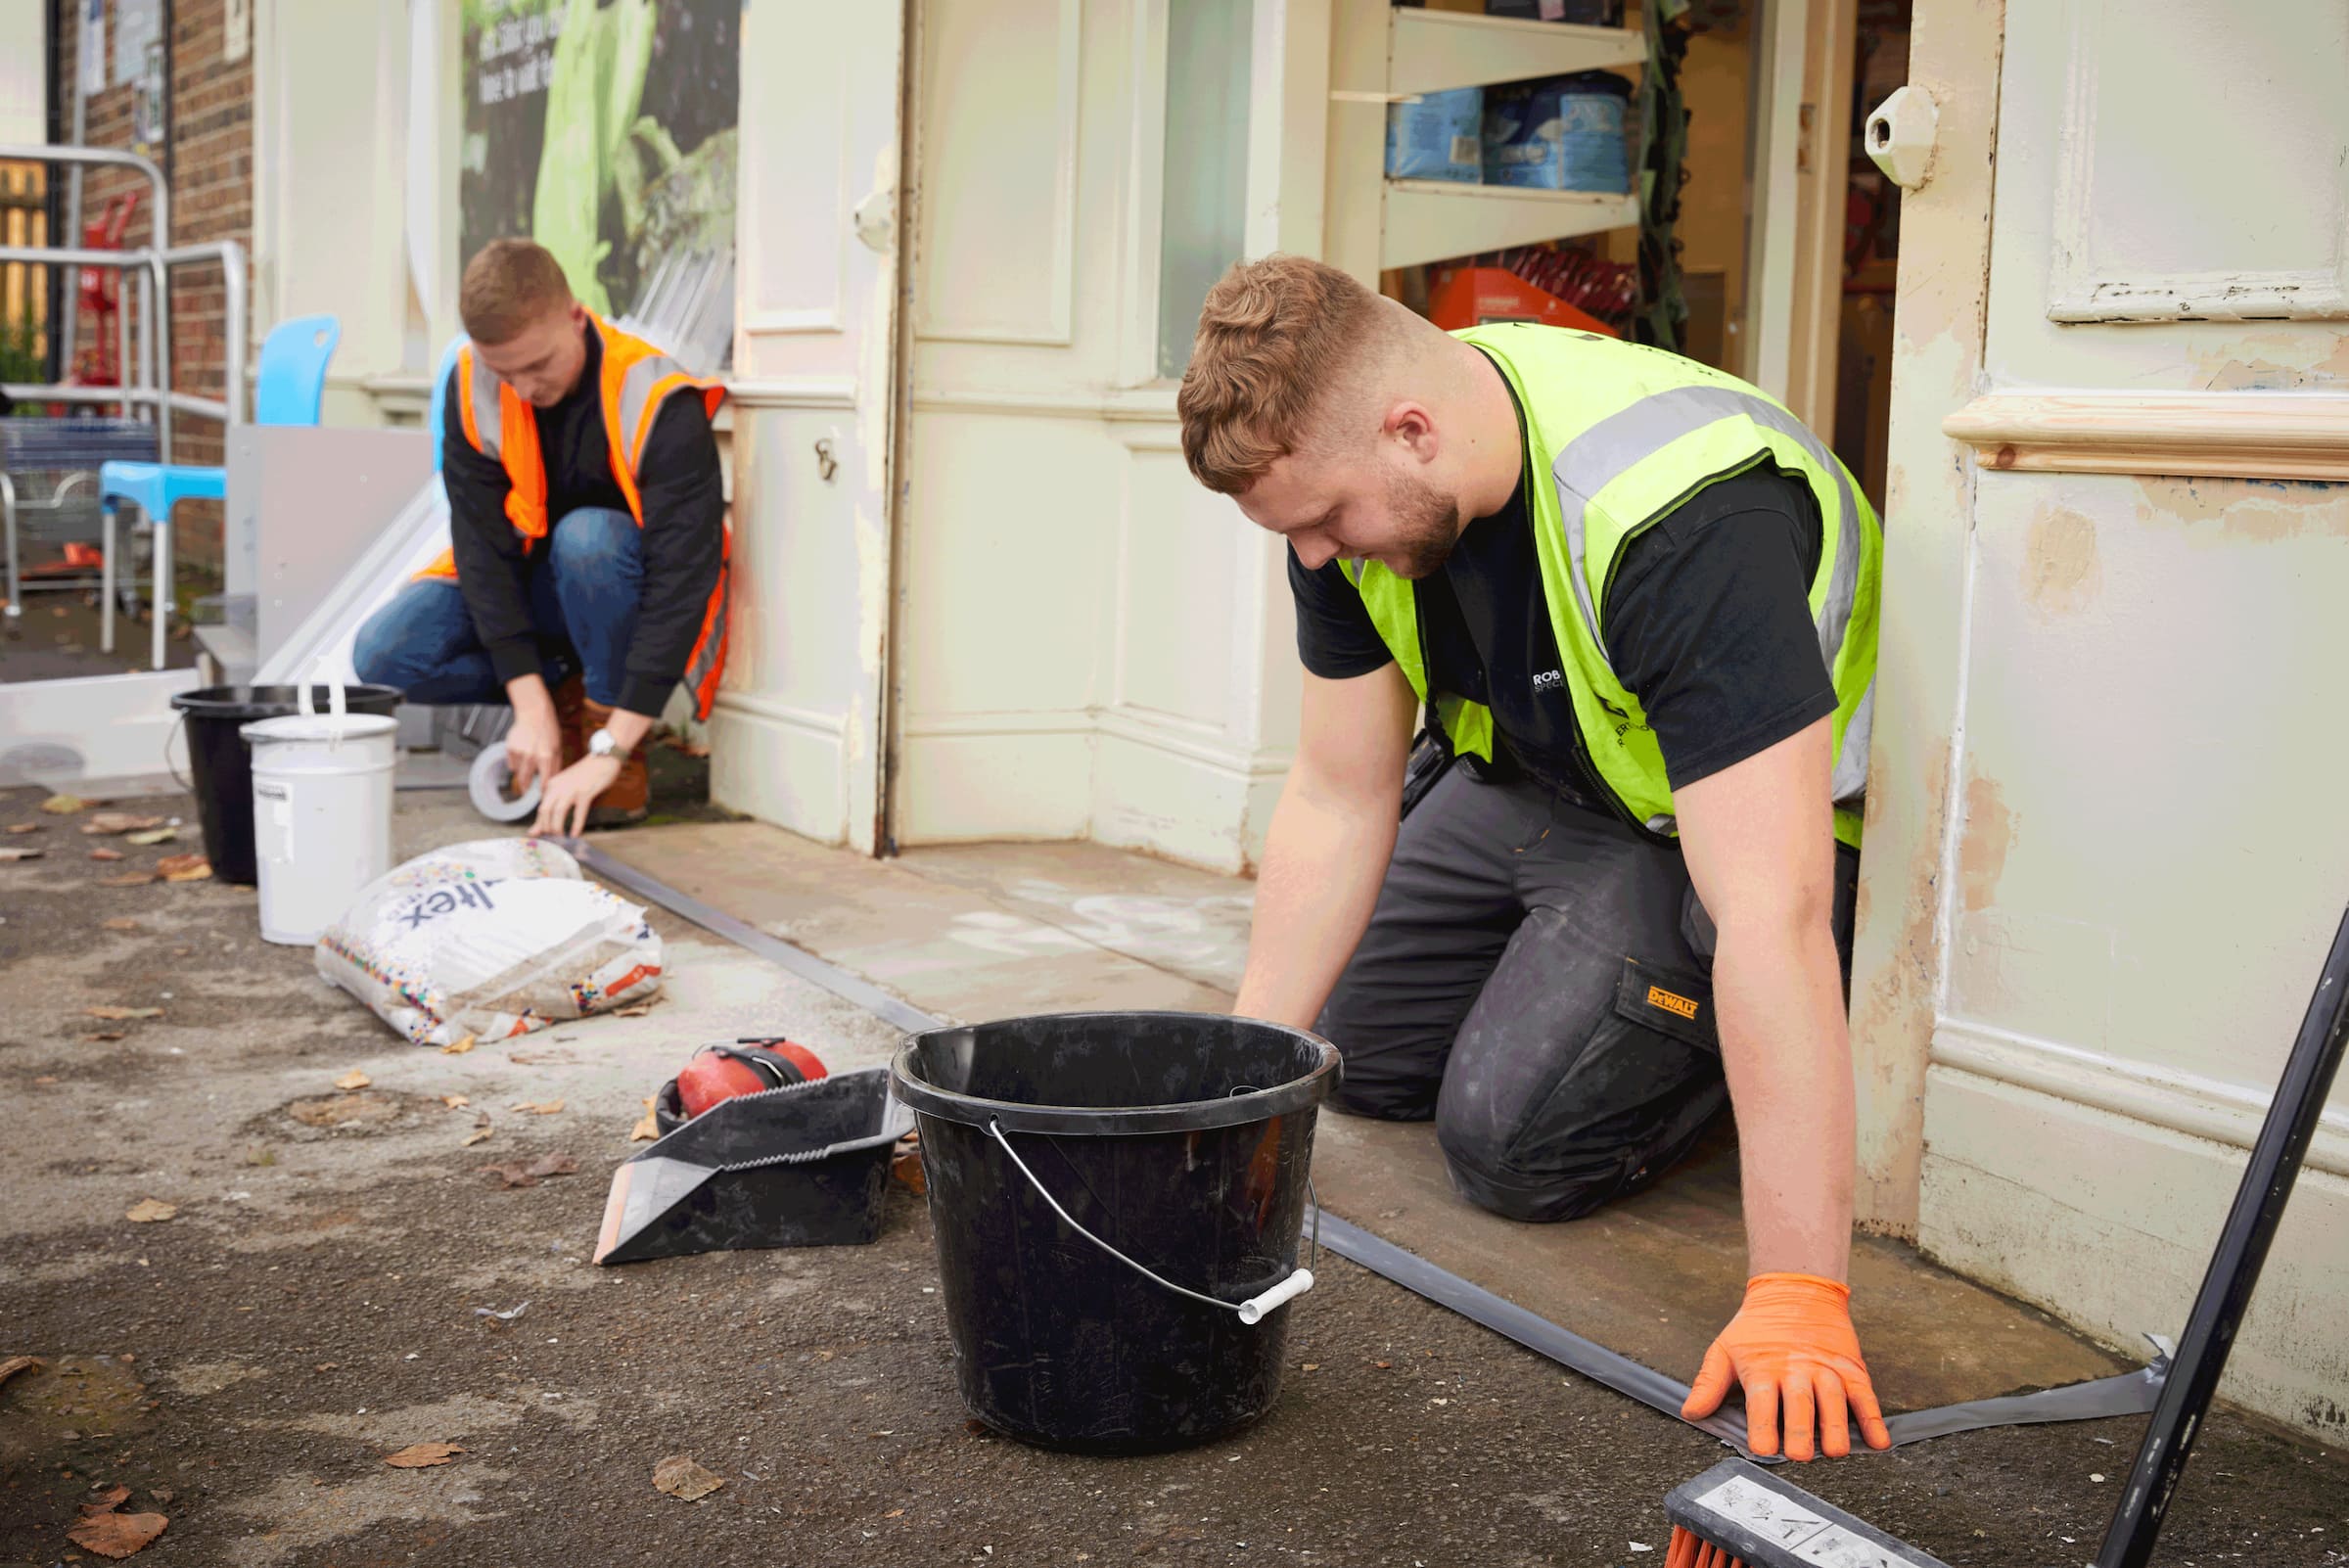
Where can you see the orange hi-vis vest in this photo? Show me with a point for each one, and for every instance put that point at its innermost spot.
(637, 379)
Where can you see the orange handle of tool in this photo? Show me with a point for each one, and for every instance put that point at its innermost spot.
(1793, 1349)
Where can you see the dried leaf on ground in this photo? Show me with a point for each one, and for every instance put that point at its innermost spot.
(121, 923)
(104, 1034)
(103, 854)
(455, 1102)
(162, 835)
(679, 1477)
(121, 822)
(114, 1498)
(637, 1012)
(354, 1080)
(457, 1048)
(537, 1107)
(906, 1167)
(184, 867)
(128, 879)
(514, 1173)
(19, 1363)
(480, 1134)
(114, 1015)
(648, 1127)
(116, 1535)
(150, 1210)
(11, 855)
(62, 804)
(419, 1455)
(23, 827)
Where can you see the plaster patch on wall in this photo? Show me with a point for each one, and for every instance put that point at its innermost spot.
(2061, 572)
(1989, 837)
(2246, 511)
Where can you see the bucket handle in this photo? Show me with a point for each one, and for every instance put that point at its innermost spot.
(335, 708)
(1252, 1311)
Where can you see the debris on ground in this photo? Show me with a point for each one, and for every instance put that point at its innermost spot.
(514, 1173)
(111, 822)
(151, 1211)
(648, 1127)
(62, 804)
(457, 1048)
(681, 1477)
(23, 827)
(114, 1534)
(153, 836)
(115, 1015)
(104, 1036)
(422, 1456)
(9, 855)
(354, 1080)
(536, 1107)
(506, 1316)
(128, 879)
(455, 1102)
(480, 1133)
(104, 854)
(19, 1363)
(184, 867)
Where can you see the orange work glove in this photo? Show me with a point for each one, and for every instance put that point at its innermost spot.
(1793, 1348)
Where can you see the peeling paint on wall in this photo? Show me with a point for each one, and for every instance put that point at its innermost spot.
(2249, 511)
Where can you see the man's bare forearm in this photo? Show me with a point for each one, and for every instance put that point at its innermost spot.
(1786, 1047)
(1325, 858)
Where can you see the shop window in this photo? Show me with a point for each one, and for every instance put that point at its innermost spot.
(1203, 203)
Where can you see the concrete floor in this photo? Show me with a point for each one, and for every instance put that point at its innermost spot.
(245, 1365)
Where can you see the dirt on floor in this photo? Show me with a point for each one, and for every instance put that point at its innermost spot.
(320, 1298)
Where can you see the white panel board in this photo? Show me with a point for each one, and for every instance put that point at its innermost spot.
(999, 104)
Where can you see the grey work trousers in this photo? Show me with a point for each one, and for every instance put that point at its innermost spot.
(1536, 976)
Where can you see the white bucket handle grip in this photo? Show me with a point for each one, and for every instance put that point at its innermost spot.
(1296, 1282)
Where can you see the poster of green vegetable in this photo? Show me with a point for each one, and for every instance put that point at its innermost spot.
(605, 129)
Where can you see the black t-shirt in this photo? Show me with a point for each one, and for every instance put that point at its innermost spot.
(683, 541)
(1707, 623)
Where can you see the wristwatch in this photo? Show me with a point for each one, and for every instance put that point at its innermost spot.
(603, 744)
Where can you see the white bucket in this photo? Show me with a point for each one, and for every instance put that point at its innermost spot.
(321, 813)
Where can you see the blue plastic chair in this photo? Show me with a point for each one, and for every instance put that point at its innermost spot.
(438, 408)
(289, 388)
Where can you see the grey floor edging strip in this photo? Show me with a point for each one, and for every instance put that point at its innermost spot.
(2125, 1394)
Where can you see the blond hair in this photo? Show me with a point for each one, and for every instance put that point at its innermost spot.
(1275, 338)
(508, 285)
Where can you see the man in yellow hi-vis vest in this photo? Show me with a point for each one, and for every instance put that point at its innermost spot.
(1611, 893)
(587, 568)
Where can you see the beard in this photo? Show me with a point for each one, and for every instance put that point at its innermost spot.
(1427, 526)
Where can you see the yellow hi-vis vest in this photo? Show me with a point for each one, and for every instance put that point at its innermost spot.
(1627, 434)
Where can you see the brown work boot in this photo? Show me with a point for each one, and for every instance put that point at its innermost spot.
(571, 710)
(630, 796)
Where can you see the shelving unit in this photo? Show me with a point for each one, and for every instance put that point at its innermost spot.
(1383, 52)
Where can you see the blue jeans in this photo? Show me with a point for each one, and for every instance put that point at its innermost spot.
(583, 599)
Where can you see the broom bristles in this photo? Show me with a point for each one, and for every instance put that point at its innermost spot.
(1688, 1550)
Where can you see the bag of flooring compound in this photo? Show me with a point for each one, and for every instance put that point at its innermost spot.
(491, 938)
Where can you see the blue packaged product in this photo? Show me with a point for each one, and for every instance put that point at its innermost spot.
(1563, 133)
(1440, 137)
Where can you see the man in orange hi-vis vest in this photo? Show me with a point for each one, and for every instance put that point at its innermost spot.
(588, 561)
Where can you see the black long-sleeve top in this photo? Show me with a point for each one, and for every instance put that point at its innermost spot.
(684, 530)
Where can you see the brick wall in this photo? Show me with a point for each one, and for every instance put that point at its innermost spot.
(209, 132)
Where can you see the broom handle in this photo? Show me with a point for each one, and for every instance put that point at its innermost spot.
(2234, 1267)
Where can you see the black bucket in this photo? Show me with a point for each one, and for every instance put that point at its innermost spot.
(221, 769)
(1181, 1142)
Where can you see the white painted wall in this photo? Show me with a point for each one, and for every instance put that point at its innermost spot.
(23, 84)
(2126, 688)
(1088, 645)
